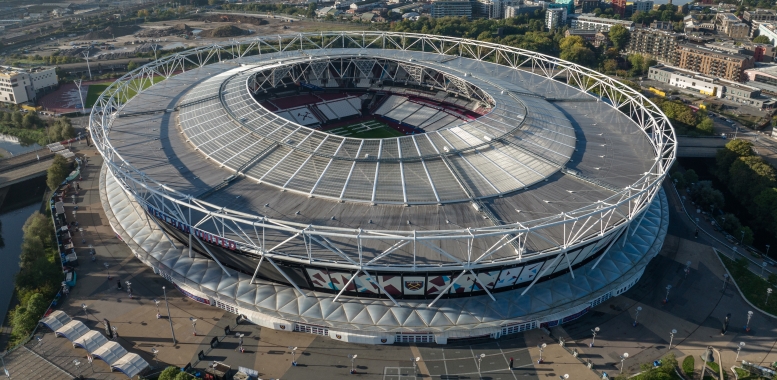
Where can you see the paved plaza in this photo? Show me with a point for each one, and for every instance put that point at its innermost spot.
(697, 304)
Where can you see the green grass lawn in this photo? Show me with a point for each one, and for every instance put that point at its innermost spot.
(751, 285)
(367, 130)
(96, 89)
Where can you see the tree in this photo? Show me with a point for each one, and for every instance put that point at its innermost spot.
(706, 196)
(619, 36)
(706, 126)
(57, 172)
(132, 66)
(169, 373)
(747, 238)
(762, 40)
(16, 119)
(26, 317)
(690, 176)
(679, 179)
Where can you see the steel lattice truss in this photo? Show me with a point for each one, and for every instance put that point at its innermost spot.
(550, 236)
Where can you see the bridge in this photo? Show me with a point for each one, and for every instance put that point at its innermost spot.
(25, 166)
(699, 147)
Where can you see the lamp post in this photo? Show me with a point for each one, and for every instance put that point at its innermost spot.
(415, 364)
(593, 340)
(169, 317)
(353, 359)
(763, 266)
(668, 288)
(541, 347)
(129, 288)
(767, 250)
(481, 356)
(687, 268)
(86, 313)
(739, 348)
(115, 333)
(742, 240)
(293, 356)
(725, 281)
(156, 302)
(107, 270)
(639, 308)
(747, 326)
(194, 325)
(154, 352)
(671, 337)
(40, 344)
(768, 293)
(77, 363)
(240, 342)
(623, 360)
(564, 376)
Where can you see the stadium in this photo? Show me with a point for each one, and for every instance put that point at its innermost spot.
(380, 187)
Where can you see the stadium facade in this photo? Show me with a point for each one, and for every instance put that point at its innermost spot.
(385, 187)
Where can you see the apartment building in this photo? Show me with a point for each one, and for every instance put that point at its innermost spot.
(619, 7)
(19, 86)
(591, 22)
(760, 15)
(555, 17)
(456, 8)
(660, 44)
(594, 37)
(714, 63)
(587, 6)
(642, 6)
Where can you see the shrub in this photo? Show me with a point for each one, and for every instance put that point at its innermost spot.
(688, 364)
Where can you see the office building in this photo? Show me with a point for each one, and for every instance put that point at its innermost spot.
(19, 86)
(619, 7)
(569, 5)
(642, 6)
(587, 6)
(715, 63)
(677, 77)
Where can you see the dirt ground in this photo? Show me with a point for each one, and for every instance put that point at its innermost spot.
(274, 26)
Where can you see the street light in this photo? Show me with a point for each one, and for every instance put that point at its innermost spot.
(353, 359)
(107, 270)
(763, 266)
(129, 288)
(86, 313)
(666, 299)
(768, 293)
(767, 250)
(593, 340)
(623, 359)
(481, 356)
(240, 342)
(115, 333)
(742, 240)
(541, 347)
(194, 325)
(77, 363)
(564, 376)
(40, 344)
(293, 350)
(639, 308)
(169, 317)
(671, 337)
(154, 352)
(156, 302)
(747, 326)
(687, 268)
(739, 348)
(725, 281)
(415, 364)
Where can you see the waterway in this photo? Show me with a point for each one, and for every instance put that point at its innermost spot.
(14, 146)
(9, 255)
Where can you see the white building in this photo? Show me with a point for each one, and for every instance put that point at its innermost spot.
(769, 31)
(677, 77)
(643, 6)
(590, 22)
(21, 85)
(555, 17)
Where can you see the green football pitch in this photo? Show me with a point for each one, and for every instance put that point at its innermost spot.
(371, 129)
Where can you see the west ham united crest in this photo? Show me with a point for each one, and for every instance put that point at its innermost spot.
(283, 327)
(338, 336)
(383, 340)
(414, 285)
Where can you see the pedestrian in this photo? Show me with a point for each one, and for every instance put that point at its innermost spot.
(118, 284)
(511, 363)
(696, 234)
